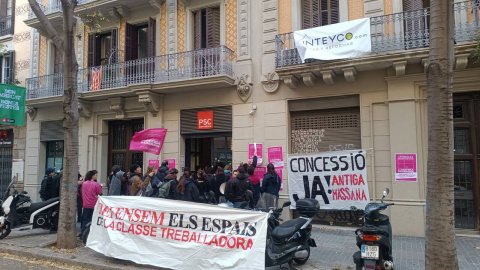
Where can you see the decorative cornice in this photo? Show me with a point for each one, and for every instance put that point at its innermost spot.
(84, 109)
(349, 74)
(32, 112)
(118, 106)
(461, 61)
(115, 14)
(290, 81)
(309, 79)
(400, 67)
(157, 4)
(328, 76)
(150, 101)
(425, 64)
(271, 82)
(124, 11)
(244, 87)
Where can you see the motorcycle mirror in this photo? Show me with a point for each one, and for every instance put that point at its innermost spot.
(24, 192)
(285, 204)
(386, 192)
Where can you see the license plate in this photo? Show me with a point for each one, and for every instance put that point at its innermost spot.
(370, 252)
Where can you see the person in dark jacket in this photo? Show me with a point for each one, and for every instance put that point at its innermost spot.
(255, 183)
(113, 173)
(220, 178)
(271, 181)
(172, 176)
(47, 185)
(79, 197)
(163, 170)
(57, 180)
(187, 189)
(239, 187)
(116, 183)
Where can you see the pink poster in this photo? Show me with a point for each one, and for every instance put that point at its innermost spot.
(251, 152)
(279, 171)
(260, 172)
(172, 163)
(275, 156)
(154, 162)
(406, 167)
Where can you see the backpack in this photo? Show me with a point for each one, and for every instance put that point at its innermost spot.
(164, 189)
(149, 190)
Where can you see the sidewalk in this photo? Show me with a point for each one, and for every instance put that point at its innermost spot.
(334, 251)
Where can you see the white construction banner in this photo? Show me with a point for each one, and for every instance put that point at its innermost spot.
(338, 180)
(177, 234)
(336, 41)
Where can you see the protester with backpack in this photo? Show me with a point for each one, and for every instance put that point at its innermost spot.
(220, 178)
(138, 187)
(163, 171)
(271, 181)
(186, 189)
(168, 187)
(148, 189)
(237, 191)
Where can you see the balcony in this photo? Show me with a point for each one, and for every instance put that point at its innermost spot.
(188, 71)
(52, 9)
(394, 36)
(6, 25)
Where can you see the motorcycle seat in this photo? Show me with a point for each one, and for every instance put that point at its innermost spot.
(288, 228)
(35, 206)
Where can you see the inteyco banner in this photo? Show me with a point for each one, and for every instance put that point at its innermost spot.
(178, 235)
(335, 41)
(338, 180)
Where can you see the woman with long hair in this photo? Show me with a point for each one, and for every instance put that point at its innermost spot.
(186, 188)
(271, 181)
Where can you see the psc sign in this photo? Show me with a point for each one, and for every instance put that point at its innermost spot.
(205, 120)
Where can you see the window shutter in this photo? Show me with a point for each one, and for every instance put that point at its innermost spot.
(334, 12)
(3, 8)
(151, 36)
(130, 42)
(213, 27)
(91, 50)
(310, 13)
(198, 30)
(11, 78)
(410, 5)
(114, 46)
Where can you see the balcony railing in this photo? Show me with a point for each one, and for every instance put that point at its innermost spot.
(48, 7)
(45, 86)
(396, 32)
(6, 25)
(159, 69)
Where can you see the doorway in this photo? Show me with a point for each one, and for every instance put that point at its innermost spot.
(210, 151)
(466, 117)
(119, 136)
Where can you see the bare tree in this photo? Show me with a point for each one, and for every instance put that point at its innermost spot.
(65, 43)
(440, 251)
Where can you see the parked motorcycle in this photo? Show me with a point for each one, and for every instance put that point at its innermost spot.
(290, 241)
(375, 238)
(19, 213)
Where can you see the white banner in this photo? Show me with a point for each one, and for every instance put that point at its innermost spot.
(338, 180)
(177, 234)
(336, 41)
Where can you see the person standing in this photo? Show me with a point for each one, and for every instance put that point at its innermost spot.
(220, 178)
(271, 181)
(115, 187)
(47, 185)
(239, 187)
(57, 182)
(187, 189)
(255, 183)
(79, 197)
(163, 170)
(172, 179)
(90, 191)
(138, 186)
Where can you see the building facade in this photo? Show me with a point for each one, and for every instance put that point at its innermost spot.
(14, 69)
(164, 61)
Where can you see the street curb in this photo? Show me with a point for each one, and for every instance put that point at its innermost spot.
(59, 259)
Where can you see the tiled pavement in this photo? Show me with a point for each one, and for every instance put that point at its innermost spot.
(336, 247)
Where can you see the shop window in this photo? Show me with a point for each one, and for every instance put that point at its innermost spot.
(317, 13)
(55, 155)
(207, 28)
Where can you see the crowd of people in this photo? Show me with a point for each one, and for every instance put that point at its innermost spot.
(239, 188)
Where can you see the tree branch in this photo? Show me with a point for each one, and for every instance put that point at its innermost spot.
(44, 21)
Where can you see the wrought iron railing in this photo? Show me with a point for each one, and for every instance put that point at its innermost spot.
(48, 7)
(396, 32)
(6, 25)
(45, 86)
(159, 69)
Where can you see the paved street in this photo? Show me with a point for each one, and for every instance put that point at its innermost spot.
(334, 252)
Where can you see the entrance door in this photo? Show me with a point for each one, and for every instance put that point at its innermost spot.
(5, 169)
(119, 136)
(209, 151)
(466, 115)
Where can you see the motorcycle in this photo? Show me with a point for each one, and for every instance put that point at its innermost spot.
(19, 213)
(290, 241)
(375, 238)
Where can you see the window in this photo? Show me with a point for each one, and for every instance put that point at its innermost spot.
(6, 68)
(102, 48)
(140, 40)
(317, 13)
(6, 17)
(55, 155)
(207, 28)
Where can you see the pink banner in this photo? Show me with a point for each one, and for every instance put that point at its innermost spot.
(406, 167)
(251, 152)
(172, 163)
(149, 140)
(154, 162)
(275, 156)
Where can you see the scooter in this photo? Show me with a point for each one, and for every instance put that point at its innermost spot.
(290, 241)
(19, 213)
(375, 238)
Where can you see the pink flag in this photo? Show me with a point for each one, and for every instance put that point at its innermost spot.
(149, 140)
